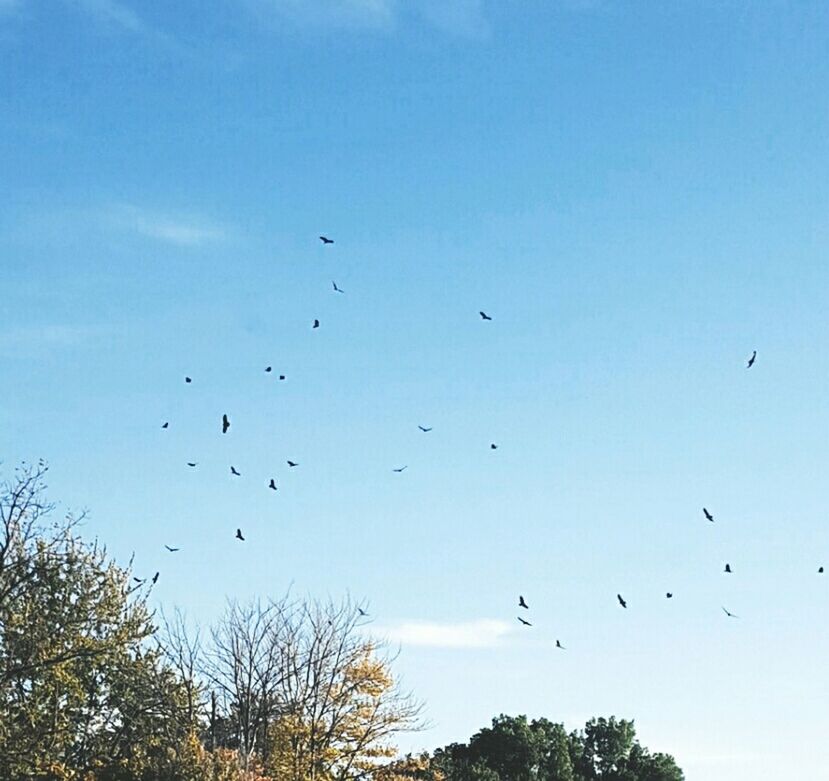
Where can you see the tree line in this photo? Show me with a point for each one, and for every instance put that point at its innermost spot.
(95, 686)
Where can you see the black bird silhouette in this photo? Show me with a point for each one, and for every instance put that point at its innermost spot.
(522, 603)
(187, 379)
(730, 615)
(281, 376)
(621, 601)
(234, 472)
(400, 469)
(172, 550)
(192, 463)
(525, 623)
(316, 324)
(225, 424)
(165, 425)
(708, 515)
(239, 535)
(820, 570)
(140, 580)
(326, 240)
(484, 316)
(493, 446)
(424, 430)
(669, 595)
(155, 577)
(293, 463)
(272, 484)
(337, 289)
(559, 645)
(727, 568)
(751, 360)
(269, 369)
(361, 611)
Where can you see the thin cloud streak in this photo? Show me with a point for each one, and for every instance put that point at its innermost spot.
(482, 633)
(182, 232)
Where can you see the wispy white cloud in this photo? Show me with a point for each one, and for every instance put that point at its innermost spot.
(482, 633)
(182, 231)
(44, 336)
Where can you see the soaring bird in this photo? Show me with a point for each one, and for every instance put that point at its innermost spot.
(727, 568)
(559, 645)
(192, 463)
(225, 424)
(730, 615)
(172, 550)
(820, 570)
(424, 430)
(326, 240)
(400, 469)
(268, 369)
(337, 289)
(669, 595)
(281, 376)
(155, 577)
(292, 463)
(239, 535)
(522, 603)
(166, 424)
(708, 515)
(525, 623)
(316, 324)
(188, 380)
(621, 601)
(234, 472)
(493, 446)
(272, 484)
(361, 611)
(484, 316)
(140, 580)
(751, 360)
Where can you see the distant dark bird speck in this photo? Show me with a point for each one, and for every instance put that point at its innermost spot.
(140, 580)
(272, 484)
(166, 425)
(484, 316)
(172, 550)
(192, 463)
(225, 424)
(493, 446)
(316, 324)
(187, 379)
(281, 376)
(361, 611)
(730, 615)
(269, 369)
(337, 289)
(326, 240)
(155, 577)
(239, 535)
(293, 463)
(751, 360)
(820, 570)
(559, 645)
(424, 430)
(400, 469)
(621, 601)
(708, 515)
(522, 603)
(669, 595)
(523, 621)
(727, 568)
(234, 472)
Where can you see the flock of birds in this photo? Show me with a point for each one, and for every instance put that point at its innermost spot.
(522, 603)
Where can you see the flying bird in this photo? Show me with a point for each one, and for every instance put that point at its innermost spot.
(268, 369)
(140, 580)
(559, 645)
(708, 515)
(669, 595)
(730, 615)
(166, 425)
(172, 550)
(621, 601)
(525, 623)
(424, 430)
(281, 376)
(484, 316)
(155, 578)
(751, 360)
(326, 240)
(225, 424)
(337, 289)
(727, 568)
(400, 469)
(493, 446)
(272, 484)
(361, 611)
(522, 603)
(293, 463)
(192, 463)
(188, 380)
(239, 535)
(234, 472)
(316, 324)
(820, 570)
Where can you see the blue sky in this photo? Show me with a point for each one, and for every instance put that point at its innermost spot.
(636, 192)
